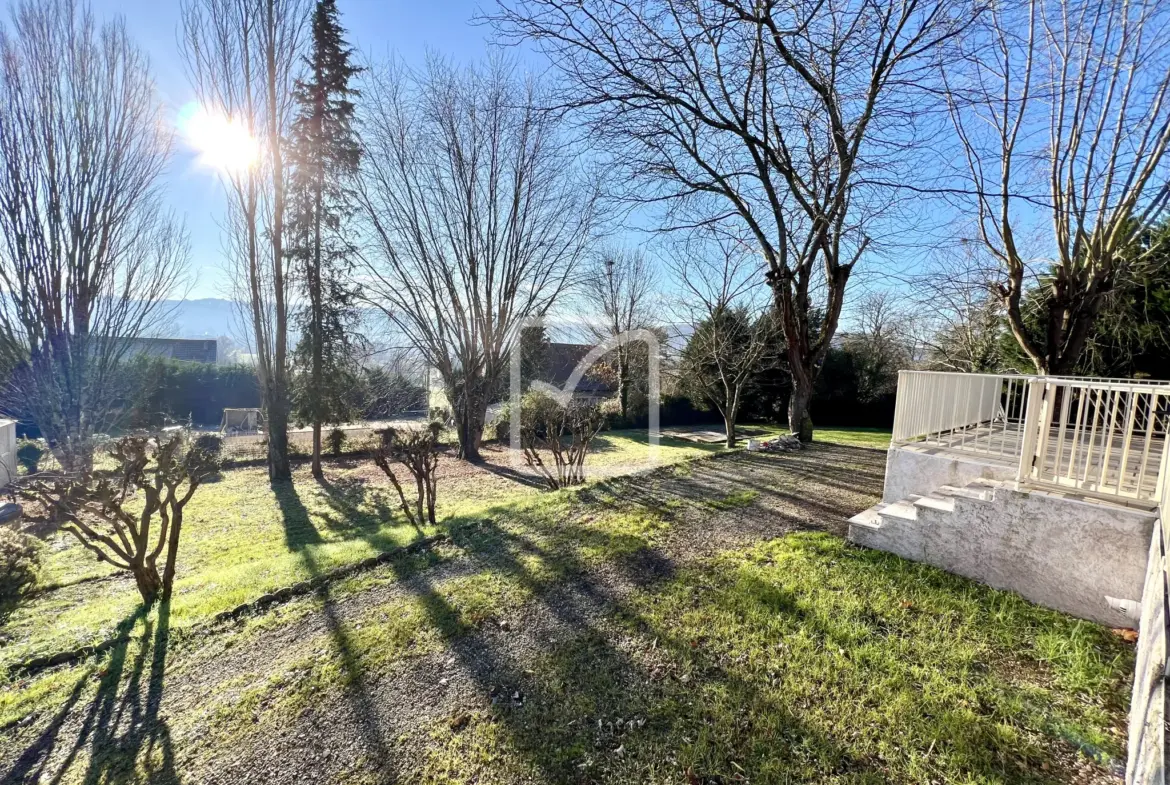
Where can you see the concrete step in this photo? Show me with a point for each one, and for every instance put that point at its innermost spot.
(903, 509)
(871, 517)
(940, 503)
(971, 491)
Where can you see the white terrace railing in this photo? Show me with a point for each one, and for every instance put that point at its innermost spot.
(1100, 437)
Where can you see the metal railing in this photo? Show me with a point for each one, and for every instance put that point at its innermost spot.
(1101, 437)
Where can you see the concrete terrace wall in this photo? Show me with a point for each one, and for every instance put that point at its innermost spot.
(1147, 709)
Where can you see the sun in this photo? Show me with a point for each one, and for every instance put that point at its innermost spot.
(223, 142)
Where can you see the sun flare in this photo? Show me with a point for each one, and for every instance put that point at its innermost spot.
(222, 142)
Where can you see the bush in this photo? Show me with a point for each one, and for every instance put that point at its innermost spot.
(336, 441)
(119, 516)
(611, 415)
(500, 427)
(29, 453)
(19, 564)
(176, 391)
(565, 431)
(417, 449)
(210, 443)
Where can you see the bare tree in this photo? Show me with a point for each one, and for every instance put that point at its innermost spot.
(1063, 113)
(961, 325)
(884, 340)
(622, 285)
(87, 255)
(793, 118)
(242, 57)
(732, 333)
(477, 216)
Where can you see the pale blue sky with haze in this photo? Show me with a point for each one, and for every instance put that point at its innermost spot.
(376, 28)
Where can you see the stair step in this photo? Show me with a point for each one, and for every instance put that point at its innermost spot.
(871, 517)
(966, 492)
(944, 504)
(904, 509)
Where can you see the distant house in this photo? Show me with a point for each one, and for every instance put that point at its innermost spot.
(190, 350)
(561, 359)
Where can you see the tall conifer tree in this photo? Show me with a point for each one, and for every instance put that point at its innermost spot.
(325, 159)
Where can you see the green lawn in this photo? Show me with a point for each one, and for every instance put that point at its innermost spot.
(244, 537)
(877, 438)
(591, 635)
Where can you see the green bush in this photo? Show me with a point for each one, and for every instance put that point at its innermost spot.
(176, 391)
(336, 441)
(500, 428)
(19, 564)
(611, 415)
(29, 453)
(210, 443)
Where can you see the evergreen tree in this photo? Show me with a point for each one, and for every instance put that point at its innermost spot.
(325, 161)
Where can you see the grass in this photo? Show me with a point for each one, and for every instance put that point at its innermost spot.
(796, 658)
(244, 537)
(806, 660)
(877, 438)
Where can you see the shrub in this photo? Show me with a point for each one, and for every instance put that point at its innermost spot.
(210, 443)
(441, 415)
(501, 425)
(129, 516)
(29, 453)
(336, 441)
(611, 415)
(546, 424)
(19, 564)
(418, 450)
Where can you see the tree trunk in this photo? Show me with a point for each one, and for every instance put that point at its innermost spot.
(729, 429)
(469, 418)
(624, 382)
(320, 475)
(799, 421)
(469, 399)
(176, 530)
(148, 582)
(278, 465)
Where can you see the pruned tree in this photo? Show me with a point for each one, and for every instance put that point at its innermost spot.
(619, 296)
(1062, 109)
(87, 254)
(563, 429)
(796, 119)
(128, 517)
(242, 58)
(324, 155)
(477, 211)
(416, 449)
(732, 330)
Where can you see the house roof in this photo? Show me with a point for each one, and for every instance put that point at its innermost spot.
(561, 359)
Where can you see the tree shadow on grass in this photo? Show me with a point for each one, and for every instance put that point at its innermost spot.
(585, 704)
(354, 674)
(122, 729)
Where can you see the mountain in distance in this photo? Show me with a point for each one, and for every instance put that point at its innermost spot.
(207, 318)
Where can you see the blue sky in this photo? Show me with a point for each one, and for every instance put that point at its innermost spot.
(376, 27)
